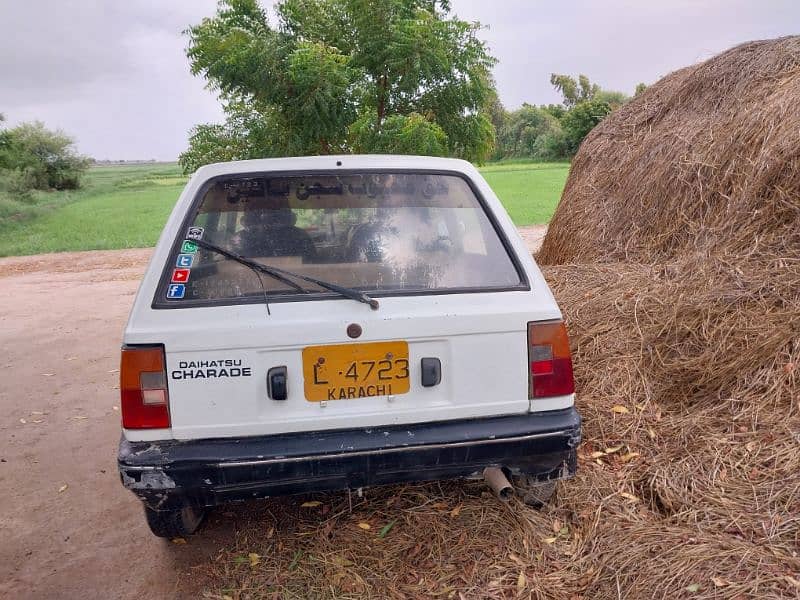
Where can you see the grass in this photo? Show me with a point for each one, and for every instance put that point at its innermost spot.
(529, 191)
(118, 207)
(127, 206)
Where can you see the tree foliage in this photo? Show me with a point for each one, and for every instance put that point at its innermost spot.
(554, 131)
(581, 90)
(574, 91)
(339, 75)
(34, 157)
(523, 131)
(580, 120)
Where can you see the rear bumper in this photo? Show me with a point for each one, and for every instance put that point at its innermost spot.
(209, 472)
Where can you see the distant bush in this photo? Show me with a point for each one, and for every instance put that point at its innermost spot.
(580, 120)
(34, 157)
(554, 131)
(40, 158)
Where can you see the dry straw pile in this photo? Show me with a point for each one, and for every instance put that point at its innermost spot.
(675, 255)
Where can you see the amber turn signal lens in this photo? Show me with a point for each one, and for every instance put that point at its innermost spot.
(144, 397)
(550, 360)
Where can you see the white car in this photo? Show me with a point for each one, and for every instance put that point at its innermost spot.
(338, 322)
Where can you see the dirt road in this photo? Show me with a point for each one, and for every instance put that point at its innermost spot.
(68, 528)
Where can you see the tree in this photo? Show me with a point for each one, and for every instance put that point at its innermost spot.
(33, 156)
(338, 74)
(523, 129)
(580, 120)
(246, 133)
(574, 92)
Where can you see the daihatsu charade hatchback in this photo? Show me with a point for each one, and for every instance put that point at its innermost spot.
(338, 322)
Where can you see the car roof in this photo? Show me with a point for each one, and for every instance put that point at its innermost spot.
(333, 162)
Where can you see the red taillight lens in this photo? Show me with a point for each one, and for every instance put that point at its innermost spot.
(143, 388)
(550, 360)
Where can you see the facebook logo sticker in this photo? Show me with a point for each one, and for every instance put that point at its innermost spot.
(185, 261)
(176, 291)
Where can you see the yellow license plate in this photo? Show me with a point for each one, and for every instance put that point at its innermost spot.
(348, 371)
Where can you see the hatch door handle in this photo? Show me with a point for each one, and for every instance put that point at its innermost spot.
(431, 372)
(276, 383)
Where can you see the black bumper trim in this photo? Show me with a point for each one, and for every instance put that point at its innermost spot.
(211, 471)
(267, 461)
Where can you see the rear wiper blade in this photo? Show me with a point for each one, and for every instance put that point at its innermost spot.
(283, 275)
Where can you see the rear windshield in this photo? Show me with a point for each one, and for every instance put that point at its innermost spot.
(380, 233)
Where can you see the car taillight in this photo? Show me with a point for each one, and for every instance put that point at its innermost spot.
(550, 360)
(143, 388)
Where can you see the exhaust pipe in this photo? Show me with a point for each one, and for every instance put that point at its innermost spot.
(499, 483)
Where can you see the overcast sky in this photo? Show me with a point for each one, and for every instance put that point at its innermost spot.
(114, 75)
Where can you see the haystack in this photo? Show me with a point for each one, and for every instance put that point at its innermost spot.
(675, 253)
(704, 162)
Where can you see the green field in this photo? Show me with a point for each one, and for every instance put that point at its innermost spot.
(126, 206)
(529, 191)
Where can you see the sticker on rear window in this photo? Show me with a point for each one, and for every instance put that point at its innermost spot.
(195, 233)
(180, 275)
(184, 261)
(176, 291)
(189, 247)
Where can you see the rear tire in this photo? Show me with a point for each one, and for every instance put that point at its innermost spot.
(534, 493)
(178, 522)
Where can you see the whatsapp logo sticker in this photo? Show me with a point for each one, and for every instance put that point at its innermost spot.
(189, 247)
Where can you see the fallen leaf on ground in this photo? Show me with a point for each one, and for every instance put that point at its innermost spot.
(365, 526)
(456, 511)
(629, 456)
(254, 559)
(597, 454)
(620, 410)
(613, 449)
(310, 504)
(23, 421)
(719, 581)
(549, 540)
(693, 588)
(62, 488)
(178, 541)
(628, 496)
(386, 529)
(521, 581)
